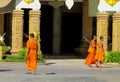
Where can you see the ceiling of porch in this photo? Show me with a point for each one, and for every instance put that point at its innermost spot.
(7, 6)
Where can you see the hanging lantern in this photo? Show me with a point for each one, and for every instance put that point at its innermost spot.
(69, 4)
(28, 1)
(111, 2)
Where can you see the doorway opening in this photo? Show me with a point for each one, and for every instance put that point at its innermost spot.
(71, 31)
(25, 26)
(8, 29)
(46, 29)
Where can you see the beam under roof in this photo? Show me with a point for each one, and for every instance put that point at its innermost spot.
(6, 7)
(63, 0)
(4, 3)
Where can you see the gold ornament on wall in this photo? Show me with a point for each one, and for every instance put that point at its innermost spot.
(111, 2)
(28, 1)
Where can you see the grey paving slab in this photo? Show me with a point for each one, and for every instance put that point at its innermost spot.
(60, 71)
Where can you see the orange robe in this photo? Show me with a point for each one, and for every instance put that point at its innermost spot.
(100, 52)
(31, 62)
(91, 53)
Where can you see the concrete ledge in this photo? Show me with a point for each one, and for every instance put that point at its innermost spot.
(66, 61)
(112, 64)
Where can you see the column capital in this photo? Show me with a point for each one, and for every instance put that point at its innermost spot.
(102, 16)
(85, 2)
(56, 4)
(116, 16)
(34, 13)
(18, 12)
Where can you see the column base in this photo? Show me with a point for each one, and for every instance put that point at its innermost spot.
(82, 50)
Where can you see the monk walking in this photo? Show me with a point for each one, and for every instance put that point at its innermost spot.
(91, 52)
(100, 52)
(31, 55)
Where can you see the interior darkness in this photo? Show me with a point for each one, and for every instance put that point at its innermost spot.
(94, 26)
(7, 29)
(46, 29)
(26, 21)
(110, 22)
(25, 26)
(71, 31)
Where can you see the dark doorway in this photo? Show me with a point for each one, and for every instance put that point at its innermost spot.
(46, 29)
(26, 21)
(71, 31)
(8, 29)
(25, 26)
(110, 22)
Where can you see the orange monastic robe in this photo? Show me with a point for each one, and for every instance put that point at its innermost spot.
(100, 52)
(31, 62)
(91, 53)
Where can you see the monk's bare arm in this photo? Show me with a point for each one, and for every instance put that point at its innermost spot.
(27, 52)
(93, 44)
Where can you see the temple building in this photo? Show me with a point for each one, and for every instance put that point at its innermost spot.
(61, 30)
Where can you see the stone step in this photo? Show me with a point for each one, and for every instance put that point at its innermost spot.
(62, 57)
(65, 61)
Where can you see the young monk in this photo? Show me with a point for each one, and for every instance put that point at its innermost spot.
(91, 52)
(31, 55)
(100, 52)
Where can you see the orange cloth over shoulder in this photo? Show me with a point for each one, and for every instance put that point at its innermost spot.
(31, 62)
(91, 53)
(100, 52)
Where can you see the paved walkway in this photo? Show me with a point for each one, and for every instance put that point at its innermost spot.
(72, 70)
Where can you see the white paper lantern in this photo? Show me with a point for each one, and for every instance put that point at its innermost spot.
(69, 4)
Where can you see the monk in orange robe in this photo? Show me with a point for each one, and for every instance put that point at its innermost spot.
(100, 53)
(91, 52)
(31, 55)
